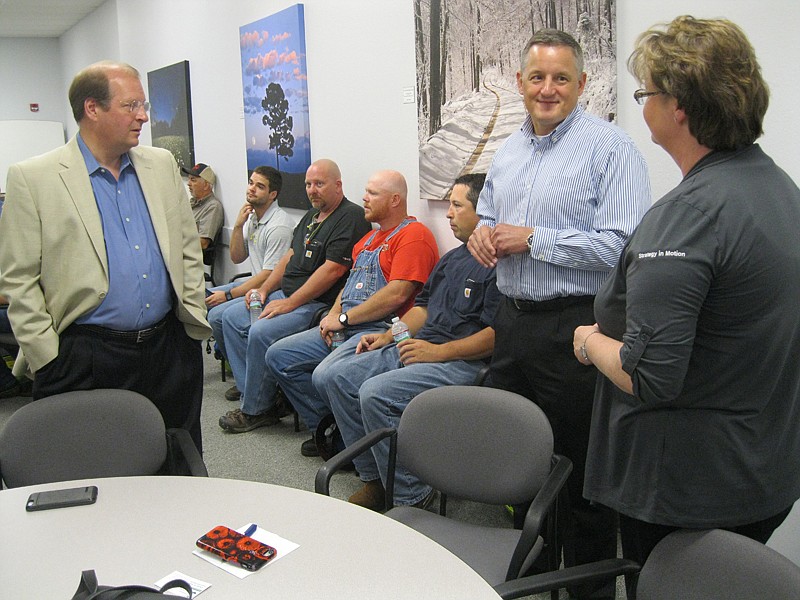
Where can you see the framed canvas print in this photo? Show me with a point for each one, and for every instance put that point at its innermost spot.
(275, 94)
(171, 111)
(468, 54)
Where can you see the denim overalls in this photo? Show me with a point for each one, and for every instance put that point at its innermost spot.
(366, 277)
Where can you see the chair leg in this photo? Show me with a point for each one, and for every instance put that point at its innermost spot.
(222, 367)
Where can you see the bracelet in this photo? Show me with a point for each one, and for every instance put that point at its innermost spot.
(584, 354)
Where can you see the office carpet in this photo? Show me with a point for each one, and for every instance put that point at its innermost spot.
(272, 455)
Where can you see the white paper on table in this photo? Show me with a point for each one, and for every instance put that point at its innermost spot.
(197, 585)
(282, 548)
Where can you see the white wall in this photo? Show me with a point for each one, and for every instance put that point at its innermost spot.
(30, 71)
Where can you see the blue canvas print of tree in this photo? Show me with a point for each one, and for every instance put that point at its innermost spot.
(275, 93)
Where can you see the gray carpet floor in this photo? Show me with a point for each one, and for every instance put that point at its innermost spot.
(272, 455)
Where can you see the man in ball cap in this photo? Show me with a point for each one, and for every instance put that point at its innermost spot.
(207, 210)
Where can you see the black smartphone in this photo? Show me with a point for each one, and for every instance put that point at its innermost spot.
(61, 498)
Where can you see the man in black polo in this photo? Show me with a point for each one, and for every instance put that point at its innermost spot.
(307, 278)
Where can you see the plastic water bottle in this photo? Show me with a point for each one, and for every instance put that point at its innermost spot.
(337, 339)
(399, 330)
(255, 306)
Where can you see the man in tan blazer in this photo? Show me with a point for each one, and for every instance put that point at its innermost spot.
(100, 258)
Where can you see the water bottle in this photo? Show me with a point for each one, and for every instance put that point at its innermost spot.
(337, 339)
(399, 330)
(255, 306)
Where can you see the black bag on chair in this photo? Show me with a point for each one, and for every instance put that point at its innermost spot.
(90, 590)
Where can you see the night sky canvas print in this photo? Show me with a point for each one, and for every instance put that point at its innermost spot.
(171, 111)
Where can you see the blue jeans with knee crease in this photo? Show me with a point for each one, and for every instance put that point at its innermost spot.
(370, 391)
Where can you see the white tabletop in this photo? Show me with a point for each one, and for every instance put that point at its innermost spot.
(143, 528)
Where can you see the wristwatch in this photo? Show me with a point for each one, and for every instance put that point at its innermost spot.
(228, 295)
(343, 319)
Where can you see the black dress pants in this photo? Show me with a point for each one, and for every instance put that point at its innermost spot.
(166, 368)
(533, 357)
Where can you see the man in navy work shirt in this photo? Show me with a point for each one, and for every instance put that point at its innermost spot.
(451, 325)
(561, 198)
(101, 259)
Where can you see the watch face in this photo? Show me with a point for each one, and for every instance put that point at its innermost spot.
(343, 318)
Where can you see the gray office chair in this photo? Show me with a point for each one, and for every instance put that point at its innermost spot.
(716, 565)
(93, 433)
(711, 564)
(210, 259)
(480, 444)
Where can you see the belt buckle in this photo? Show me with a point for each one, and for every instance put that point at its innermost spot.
(140, 336)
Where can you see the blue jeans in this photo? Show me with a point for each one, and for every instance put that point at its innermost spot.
(247, 347)
(370, 391)
(215, 315)
(292, 360)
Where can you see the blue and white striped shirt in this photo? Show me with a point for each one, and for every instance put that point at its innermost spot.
(583, 188)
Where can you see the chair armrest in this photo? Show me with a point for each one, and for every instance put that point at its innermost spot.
(183, 454)
(480, 378)
(240, 276)
(553, 580)
(318, 315)
(323, 479)
(540, 507)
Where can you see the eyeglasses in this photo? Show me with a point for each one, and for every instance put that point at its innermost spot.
(134, 106)
(641, 95)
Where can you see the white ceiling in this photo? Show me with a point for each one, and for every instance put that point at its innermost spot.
(42, 18)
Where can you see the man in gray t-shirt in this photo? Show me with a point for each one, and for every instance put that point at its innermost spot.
(206, 209)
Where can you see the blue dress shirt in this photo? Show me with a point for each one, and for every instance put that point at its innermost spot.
(139, 290)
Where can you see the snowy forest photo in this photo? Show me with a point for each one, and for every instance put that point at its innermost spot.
(468, 54)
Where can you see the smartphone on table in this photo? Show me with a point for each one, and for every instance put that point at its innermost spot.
(60, 498)
(232, 546)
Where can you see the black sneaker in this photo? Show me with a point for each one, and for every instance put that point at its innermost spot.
(236, 421)
(309, 448)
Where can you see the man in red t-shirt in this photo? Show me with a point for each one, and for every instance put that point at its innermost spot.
(390, 265)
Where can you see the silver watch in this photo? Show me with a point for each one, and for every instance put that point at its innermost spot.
(529, 241)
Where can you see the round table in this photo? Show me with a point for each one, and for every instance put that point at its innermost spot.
(143, 528)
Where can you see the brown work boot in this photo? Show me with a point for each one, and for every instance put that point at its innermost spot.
(371, 496)
(235, 421)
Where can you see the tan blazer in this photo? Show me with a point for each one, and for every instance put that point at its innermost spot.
(53, 263)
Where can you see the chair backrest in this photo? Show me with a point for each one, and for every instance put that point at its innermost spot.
(477, 443)
(82, 434)
(716, 565)
(210, 258)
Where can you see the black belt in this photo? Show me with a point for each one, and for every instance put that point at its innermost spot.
(545, 305)
(134, 337)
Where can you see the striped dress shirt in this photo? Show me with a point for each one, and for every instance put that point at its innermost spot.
(583, 188)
